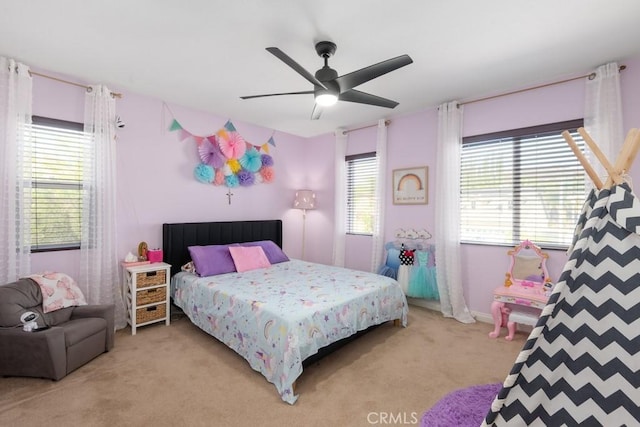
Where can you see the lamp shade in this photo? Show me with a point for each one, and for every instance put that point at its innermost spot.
(305, 199)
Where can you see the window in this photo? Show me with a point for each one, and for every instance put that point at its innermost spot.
(56, 148)
(521, 184)
(361, 193)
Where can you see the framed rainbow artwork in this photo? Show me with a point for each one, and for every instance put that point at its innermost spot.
(410, 186)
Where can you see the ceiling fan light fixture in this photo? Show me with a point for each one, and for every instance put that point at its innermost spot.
(326, 99)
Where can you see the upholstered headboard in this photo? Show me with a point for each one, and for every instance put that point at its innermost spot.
(176, 238)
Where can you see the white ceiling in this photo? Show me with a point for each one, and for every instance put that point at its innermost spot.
(205, 54)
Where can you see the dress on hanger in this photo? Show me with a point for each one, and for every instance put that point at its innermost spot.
(418, 278)
(422, 282)
(406, 261)
(392, 261)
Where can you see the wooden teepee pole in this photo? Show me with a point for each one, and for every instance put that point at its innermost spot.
(627, 154)
(583, 160)
(613, 172)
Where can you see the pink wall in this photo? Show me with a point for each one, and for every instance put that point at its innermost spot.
(156, 185)
(412, 142)
(155, 173)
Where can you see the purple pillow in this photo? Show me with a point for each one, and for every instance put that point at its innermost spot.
(272, 251)
(211, 260)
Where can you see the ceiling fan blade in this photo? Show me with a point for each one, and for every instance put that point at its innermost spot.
(297, 67)
(317, 111)
(306, 92)
(351, 80)
(366, 98)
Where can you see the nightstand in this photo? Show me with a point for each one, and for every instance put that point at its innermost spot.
(147, 294)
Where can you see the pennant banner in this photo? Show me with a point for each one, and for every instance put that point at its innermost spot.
(227, 159)
(175, 125)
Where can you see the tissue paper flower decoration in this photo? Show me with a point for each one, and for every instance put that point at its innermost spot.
(231, 181)
(245, 178)
(231, 144)
(226, 170)
(267, 160)
(210, 153)
(203, 173)
(226, 158)
(251, 160)
(219, 179)
(267, 174)
(234, 165)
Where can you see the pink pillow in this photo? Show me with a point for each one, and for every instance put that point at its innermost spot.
(248, 257)
(58, 291)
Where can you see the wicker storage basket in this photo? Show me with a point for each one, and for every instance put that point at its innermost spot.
(148, 296)
(150, 278)
(154, 312)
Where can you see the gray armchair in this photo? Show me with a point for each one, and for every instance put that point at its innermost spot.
(76, 334)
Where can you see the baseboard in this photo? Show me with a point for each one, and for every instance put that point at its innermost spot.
(482, 317)
(435, 305)
(478, 315)
(425, 303)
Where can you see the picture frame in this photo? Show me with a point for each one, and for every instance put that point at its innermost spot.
(410, 186)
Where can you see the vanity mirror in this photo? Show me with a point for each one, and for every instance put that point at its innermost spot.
(526, 290)
(528, 265)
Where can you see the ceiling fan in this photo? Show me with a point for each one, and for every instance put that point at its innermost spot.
(328, 88)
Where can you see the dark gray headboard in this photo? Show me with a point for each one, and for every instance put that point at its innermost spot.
(176, 238)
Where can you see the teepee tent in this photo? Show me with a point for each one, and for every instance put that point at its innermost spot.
(581, 363)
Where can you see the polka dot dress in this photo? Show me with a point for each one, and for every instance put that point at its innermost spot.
(406, 260)
(406, 257)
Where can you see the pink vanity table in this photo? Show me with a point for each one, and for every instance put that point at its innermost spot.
(525, 292)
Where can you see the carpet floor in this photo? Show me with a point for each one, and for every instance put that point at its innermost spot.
(178, 375)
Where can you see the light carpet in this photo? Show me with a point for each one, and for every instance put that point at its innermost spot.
(178, 375)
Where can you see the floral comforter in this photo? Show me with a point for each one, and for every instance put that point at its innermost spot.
(278, 316)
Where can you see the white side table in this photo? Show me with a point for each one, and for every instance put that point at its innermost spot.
(147, 294)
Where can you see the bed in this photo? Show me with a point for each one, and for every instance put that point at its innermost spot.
(278, 316)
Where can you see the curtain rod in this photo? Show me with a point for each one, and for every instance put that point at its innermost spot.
(386, 123)
(591, 76)
(33, 73)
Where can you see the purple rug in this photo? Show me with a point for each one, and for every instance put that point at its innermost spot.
(462, 408)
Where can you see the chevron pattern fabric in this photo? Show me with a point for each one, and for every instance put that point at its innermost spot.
(581, 363)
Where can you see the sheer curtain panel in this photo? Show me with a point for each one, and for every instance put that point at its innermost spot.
(603, 113)
(99, 272)
(340, 212)
(377, 241)
(448, 270)
(15, 170)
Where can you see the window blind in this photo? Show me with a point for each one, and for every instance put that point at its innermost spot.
(522, 184)
(361, 193)
(56, 150)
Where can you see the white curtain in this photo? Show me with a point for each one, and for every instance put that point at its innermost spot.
(377, 243)
(603, 114)
(15, 170)
(447, 205)
(340, 211)
(99, 272)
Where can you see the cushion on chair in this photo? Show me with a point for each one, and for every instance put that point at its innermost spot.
(59, 316)
(78, 329)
